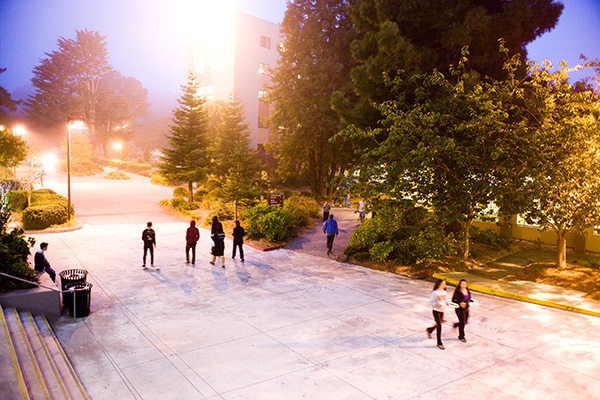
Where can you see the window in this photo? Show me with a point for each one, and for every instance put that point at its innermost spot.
(265, 42)
(208, 66)
(263, 68)
(205, 91)
(262, 94)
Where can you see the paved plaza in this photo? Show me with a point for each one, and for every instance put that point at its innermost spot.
(289, 325)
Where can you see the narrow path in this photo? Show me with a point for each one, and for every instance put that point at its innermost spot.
(313, 241)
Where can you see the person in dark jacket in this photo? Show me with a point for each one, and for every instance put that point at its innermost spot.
(218, 237)
(191, 239)
(462, 297)
(238, 240)
(41, 264)
(149, 238)
(330, 228)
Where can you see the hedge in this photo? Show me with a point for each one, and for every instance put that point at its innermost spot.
(42, 216)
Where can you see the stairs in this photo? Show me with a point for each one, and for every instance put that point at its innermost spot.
(34, 365)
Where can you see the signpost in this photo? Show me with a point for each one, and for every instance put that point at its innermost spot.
(276, 199)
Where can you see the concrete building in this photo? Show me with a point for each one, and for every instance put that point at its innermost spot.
(235, 54)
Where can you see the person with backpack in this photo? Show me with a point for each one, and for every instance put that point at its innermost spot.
(238, 240)
(192, 235)
(149, 238)
(218, 237)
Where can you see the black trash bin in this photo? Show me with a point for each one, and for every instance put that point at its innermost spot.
(82, 299)
(70, 278)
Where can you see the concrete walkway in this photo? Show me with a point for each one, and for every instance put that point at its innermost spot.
(289, 325)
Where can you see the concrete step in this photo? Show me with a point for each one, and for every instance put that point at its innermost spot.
(12, 383)
(32, 374)
(67, 374)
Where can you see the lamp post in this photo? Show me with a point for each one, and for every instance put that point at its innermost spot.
(72, 124)
(118, 146)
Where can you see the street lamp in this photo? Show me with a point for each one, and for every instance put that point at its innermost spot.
(118, 146)
(72, 124)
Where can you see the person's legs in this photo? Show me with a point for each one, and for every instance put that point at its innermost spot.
(438, 316)
(194, 253)
(151, 255)
(233, 251)
(51, 273)
(461, 313)
(188, 246)
(241, 251)
(145, 252)
(330, 242)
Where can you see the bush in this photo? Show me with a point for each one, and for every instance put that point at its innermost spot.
(81, 168)
(158, 179)
(137, 168)
(180, 193)
(302, 209)
(42, 216)
(118, 175)
(489, 236)
(271, 223)
(224, 212)
(188, 206)
(17, 200)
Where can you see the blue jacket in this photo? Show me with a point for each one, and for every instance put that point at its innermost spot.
(330, 227)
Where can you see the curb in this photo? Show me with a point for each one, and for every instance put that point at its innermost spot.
(257, 247)
(64, 230)
(514, 296)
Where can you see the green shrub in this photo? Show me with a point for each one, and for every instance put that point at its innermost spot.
(37, 217)
(118, 175)
(17, 200)
(80, 168)
(489, 236)
(180, 193)
(159, 179)
(137, 168)
(271, 223)
(302, 209)
(224, 212)
(187, 206)
(14, 250)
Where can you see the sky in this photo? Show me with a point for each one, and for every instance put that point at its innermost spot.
(147, 39)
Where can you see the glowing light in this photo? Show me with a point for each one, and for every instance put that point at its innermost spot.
(19, 130)
(49, 162)
(117, 146)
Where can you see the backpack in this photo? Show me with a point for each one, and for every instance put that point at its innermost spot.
(148, 235)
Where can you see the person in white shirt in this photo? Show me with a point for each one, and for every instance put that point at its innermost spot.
(362, 210)
(438, 303)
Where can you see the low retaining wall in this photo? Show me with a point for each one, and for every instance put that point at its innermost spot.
(39, 301)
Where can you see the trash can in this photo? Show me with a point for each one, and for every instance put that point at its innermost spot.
(69, 278)
(82, 299)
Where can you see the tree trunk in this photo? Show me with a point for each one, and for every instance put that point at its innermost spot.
(191, 189)
(561, 248)
(466, 246)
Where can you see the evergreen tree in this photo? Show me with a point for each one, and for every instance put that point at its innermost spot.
(187, 158)
(13, 149)
(315, 63)
(6, 103)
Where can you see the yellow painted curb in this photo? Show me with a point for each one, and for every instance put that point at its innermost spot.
(514, 296)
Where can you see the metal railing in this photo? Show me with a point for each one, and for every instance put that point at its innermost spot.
(69, 290)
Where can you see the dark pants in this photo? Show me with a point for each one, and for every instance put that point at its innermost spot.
(191, 246)
(325, 215)
(48, 269)
(463, 318)
(330, 238)
(438, 317)
(241, 246)
(149, 246)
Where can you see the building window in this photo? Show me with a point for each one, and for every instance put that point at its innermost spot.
(208, 66)
(262, 95)
(263, 68)
(265, 42)
(205, 91)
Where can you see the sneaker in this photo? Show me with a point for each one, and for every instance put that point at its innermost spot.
(463, 340)
(211, 263)
(243, 261)
(428, 334)
(328, 252)
(233, 258)
(441, 347)
(222, 266)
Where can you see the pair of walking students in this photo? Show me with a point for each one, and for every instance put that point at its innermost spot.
(460, 301)
(192, 235)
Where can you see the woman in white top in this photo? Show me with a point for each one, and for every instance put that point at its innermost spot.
(438, 303)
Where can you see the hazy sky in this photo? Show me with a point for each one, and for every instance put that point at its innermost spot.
(146, 39)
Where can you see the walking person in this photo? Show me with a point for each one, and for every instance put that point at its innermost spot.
(326, 210)
(149, 238)
(41, 264)
(192, 235)
(330, 228)
(462, 297)
(362, 210)
(238, 240)
(438, 302)
(218, 237)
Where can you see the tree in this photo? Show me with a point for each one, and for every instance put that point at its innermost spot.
(187, 159)
(315, 63)
(239, 184)
(76, 81)
(231, 137)
(13, 149)
(6, 103)
(561, 182)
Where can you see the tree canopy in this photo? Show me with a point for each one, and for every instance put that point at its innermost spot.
(315, 62)
(13, 149)
(6, 103)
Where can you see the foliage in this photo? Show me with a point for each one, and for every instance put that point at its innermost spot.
(46, 209)
(489, 236)
(302, 209)
(180, 193)
(13, 149)
(81, 168)
(76, 81)
(117, 175)
(315, 62)
(224, 212)
(187, 158)
(81, 146)
(14, 250)
(6, 103)
(404, 233)
(272, 223)
(159, 179)
(182, 205)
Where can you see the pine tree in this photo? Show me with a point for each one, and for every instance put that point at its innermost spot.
(187, 159)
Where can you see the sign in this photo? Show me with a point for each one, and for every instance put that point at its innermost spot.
(276, 199)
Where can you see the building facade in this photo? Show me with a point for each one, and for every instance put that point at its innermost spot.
(236, 56)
